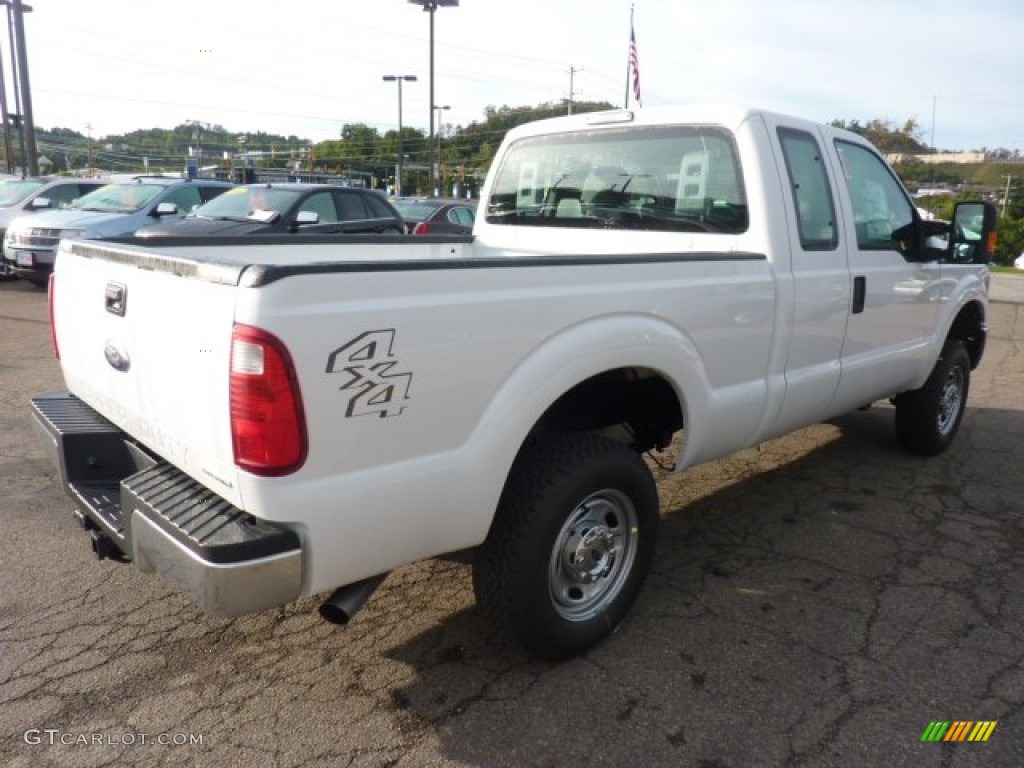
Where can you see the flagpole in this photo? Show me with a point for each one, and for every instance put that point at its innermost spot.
(628, 57)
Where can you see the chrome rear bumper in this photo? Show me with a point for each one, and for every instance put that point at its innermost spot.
(225, 560)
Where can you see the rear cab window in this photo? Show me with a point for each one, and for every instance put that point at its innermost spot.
(663, 178)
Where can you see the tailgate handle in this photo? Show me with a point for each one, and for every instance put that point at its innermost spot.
(116, 299)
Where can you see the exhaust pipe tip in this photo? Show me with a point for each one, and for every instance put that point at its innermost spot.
(346, 601)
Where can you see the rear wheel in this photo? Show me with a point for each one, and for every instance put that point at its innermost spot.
(928, 418)
(571, 543)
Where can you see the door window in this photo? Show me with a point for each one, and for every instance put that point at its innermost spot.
(353, 207)
(812, 198)
(63, 194)
(185, 197)
(882, 214)
(207, 193)
(322, 204)
(379, 208)
(462, 216)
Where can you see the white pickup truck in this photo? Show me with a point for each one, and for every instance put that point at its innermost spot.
(264, 419)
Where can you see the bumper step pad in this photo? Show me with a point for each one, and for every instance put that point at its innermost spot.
(202, 522)
(109, 477)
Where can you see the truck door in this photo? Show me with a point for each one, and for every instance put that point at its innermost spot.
(820, 277)
(895, 289)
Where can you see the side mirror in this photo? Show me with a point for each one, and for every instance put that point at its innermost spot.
(165, 209)
(40, 203)
(973, 236)
(304, 219)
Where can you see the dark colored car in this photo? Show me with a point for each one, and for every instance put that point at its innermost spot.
(437, 216)
(264, 209)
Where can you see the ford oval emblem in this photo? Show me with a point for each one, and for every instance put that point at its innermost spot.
(118, 359)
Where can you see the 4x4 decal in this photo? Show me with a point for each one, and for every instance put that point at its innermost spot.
(375, 388)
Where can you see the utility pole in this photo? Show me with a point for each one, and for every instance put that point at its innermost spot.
(88, 148)
(431, 6)
(572, 93)
(399, 160)
(1006, 196)
(934, 99)
(16, 22)
(6, 118)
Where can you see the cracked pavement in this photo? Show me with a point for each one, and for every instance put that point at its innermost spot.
(815, 601)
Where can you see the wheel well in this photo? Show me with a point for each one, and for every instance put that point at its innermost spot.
(635, 405)
(969, 327)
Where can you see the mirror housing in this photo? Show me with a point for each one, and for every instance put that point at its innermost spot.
(973, 232)
(40, 203)
(165, 209)
(304, 219)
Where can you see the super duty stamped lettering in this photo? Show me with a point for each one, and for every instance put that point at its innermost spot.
(375, 388)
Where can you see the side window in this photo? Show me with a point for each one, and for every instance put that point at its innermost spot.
(63, 194)
(379, 207)
(352, 207)
(321, 203)
(185, 197)
(882, 214)
(812, 198)
(463, 216)
(208, 193)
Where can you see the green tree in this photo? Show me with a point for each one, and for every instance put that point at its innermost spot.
(886, 136)
(1010, 241)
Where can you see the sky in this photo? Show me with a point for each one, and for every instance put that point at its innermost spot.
(307, 67)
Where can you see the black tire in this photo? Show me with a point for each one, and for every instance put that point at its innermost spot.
(928, 418)
(570, 546)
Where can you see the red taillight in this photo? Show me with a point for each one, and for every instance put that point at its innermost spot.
(421, 228)
(268, 429)
(49, 301)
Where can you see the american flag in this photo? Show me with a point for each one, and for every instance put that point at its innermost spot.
(635, 64)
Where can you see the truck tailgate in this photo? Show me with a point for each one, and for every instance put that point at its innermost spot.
(149, 349)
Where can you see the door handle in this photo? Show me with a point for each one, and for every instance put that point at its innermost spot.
(860, 287)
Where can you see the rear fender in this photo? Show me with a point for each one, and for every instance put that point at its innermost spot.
(569, 358)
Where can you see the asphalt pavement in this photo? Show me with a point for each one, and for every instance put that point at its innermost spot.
(820, 600)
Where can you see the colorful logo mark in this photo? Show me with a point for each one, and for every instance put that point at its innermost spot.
(959, 730)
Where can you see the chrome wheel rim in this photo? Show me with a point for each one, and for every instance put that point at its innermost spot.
(593, 555)
(950, 400)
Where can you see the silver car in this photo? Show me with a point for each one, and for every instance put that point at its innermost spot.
(35, 194)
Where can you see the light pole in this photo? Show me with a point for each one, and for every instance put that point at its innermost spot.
(437, 179)
(430, 6)
(398, 163)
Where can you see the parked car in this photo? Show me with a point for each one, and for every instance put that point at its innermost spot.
(286, 208)
(437, 216)
(31, 195)
(1019, 262)
(113, 210)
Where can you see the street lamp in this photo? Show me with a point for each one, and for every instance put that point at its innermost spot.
(437, 183)
(398, 163)
(430, 6)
